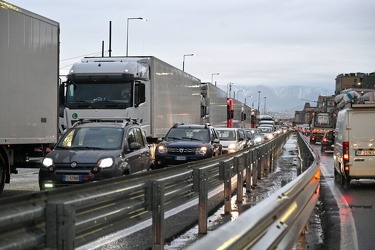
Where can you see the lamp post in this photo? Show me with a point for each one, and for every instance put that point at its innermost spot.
(265, 111)
(183, 61)
(246, 98)
(229, 88)
(258, 100)
(212, 77)
(237, 93)
(127, 31)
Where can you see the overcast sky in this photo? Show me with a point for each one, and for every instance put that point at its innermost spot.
(250, 42)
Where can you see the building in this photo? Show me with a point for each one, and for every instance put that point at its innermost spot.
(354, 81)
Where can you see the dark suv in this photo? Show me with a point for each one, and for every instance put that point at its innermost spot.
(92, 151)
(328, 142)
(185, 143)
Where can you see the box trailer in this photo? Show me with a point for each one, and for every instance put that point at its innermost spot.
(29, 66)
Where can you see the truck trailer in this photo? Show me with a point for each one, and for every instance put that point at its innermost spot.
(29, 66)
(147, 88)
(321, 123)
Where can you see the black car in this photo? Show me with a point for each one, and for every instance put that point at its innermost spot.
(327, 142)
(185, 143)
(93, 151)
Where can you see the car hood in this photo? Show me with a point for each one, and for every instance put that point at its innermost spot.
(227, 143)
(81, 156)
(185, 144)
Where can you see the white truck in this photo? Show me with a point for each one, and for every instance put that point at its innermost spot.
(354, 150)
(29, 66)
(147, 88)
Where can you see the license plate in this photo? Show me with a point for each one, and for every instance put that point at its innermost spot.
(72, 178)
(180, 158)
(365, 152)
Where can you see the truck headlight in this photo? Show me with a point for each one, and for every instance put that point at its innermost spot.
(201, 150)
(105, 163)
(47, 162)
(162, 150)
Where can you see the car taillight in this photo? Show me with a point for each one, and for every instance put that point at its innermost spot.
(325, 139)
(345, 151)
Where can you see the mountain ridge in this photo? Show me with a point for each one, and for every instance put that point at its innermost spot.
(280, 99)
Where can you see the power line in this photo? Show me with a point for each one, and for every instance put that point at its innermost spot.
(95, 53)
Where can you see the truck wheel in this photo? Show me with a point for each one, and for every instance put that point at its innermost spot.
(337, 176)
(2, 174)
(344, 182)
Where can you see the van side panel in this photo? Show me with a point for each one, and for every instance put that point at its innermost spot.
(361, 135)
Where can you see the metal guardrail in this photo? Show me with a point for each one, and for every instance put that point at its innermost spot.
(71, 217)
(276, 222)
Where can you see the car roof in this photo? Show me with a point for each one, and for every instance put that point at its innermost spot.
(191, 126)
(102, 125)
(227, 129)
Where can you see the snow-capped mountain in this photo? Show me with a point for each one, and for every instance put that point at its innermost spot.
(280, 99)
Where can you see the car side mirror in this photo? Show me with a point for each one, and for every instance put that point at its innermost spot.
(134, 146)
(216, 140)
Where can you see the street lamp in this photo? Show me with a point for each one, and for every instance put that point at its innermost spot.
(183, 61)
(127, 31)
(237, 93)
(229, 89)
(247, 97)
(258, 100)
(212, 77)
(264, 111)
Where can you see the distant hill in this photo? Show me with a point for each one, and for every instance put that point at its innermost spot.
(282, 99)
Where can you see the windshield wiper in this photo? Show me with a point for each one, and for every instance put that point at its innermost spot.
(173, 138)
(80, 103)
(86, 147)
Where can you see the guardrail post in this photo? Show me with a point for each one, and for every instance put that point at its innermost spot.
(200, 185)
(259, 163)
(156, 199)
(267, 158)
(60, 226)
(239, 165)
(248, 166)
(254, 163)
(225, 174)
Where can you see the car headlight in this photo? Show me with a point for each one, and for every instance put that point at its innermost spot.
(105, 163)
(47, 162)
(202, 150)
(162, 150)
(232, 146)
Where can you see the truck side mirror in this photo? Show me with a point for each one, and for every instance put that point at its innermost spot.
(62, 94)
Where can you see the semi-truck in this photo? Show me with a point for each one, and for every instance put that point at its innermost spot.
(147, 88)
(158, 94)
(29, 66)
(321, 122)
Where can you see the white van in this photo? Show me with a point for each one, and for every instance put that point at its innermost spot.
(354, 150)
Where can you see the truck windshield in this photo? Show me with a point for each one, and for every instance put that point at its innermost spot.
(99, 95)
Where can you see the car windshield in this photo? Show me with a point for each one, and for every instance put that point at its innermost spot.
(265, 130)
(92, 138)
(192, 134)
(227, 135)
